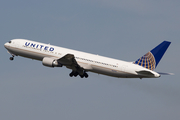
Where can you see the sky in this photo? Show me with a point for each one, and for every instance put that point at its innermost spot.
(121, 29)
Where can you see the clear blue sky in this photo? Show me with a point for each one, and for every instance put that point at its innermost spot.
(124, 29)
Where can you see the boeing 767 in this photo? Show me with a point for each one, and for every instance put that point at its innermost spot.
(81, 63)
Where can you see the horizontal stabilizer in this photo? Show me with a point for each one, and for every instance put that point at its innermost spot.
(165, 73)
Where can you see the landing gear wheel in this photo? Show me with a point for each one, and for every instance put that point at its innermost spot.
(75, 74)
(11, 58)
(85, 75)
(81, 76)
(71, 74)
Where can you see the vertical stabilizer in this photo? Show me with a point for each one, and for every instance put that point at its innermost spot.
(151, 59)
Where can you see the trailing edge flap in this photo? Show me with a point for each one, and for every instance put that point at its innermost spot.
(145, 73)
(69, 61)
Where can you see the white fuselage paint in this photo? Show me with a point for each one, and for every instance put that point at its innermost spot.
(90, 62)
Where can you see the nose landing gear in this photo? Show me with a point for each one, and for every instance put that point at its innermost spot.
(12, 58)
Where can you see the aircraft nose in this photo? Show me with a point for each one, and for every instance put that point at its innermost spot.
(5, 45)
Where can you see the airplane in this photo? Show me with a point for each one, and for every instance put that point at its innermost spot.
(80, 62)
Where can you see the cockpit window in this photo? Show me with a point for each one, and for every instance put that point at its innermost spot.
(9, 41)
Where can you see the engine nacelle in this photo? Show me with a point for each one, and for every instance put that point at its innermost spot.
(50, 62)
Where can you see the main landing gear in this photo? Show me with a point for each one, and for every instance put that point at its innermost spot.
(75, 74)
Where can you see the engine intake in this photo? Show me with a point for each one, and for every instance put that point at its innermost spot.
(50, 62)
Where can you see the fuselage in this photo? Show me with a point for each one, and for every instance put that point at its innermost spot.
(89, 62)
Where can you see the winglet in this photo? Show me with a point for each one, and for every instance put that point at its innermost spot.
(151, 59)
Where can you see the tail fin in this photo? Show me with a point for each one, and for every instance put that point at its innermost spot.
(151, 59)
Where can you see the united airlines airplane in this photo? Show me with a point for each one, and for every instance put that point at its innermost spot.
(80, 62)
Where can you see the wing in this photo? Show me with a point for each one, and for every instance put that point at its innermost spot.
(68, 59)
(70, 62)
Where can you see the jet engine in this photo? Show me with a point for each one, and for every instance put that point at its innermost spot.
(51, 62)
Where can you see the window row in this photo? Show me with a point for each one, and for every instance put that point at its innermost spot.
(96, 62)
